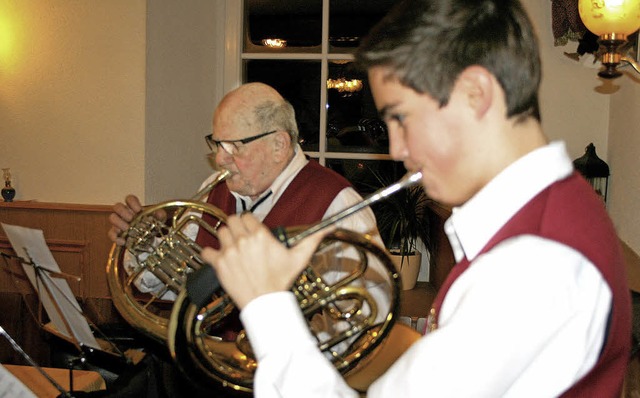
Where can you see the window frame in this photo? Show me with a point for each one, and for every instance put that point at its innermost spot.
(234, 56)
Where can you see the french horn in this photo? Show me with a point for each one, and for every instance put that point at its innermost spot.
(147, 273)
(349, 295)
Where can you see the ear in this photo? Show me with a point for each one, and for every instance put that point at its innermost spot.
(281, 144)
(477, 85)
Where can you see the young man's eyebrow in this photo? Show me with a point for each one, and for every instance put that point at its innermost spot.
(384, 112)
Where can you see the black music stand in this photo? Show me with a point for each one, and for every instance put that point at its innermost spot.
(14, 385)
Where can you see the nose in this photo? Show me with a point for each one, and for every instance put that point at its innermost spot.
(397, 146)
(223, 158)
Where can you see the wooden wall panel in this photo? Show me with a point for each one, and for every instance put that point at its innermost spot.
(76, 236)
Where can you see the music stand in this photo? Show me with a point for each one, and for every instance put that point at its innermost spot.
(15, 386)
(68, 321)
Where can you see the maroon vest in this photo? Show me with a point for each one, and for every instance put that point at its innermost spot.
(570, 212)
(303, 202)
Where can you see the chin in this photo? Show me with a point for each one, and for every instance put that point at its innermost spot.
(234, 186)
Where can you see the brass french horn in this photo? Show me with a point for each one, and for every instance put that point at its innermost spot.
(349, 295)
(146, 274)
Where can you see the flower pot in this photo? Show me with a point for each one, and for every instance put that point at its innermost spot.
(409, 268)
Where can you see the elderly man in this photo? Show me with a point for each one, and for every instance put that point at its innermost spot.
(255, 137)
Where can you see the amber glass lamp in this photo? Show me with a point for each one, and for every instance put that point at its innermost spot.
(612, 21)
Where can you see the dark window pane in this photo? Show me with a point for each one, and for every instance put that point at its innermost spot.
(352, 119)
(367, 176)
(299, 83)
(297, 22)
(349, 21)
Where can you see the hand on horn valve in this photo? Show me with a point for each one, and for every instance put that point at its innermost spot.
(251, 262)
(123, 214)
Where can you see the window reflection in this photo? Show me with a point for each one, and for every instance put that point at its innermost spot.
(299, 23)
(290, 28)
(299, 83)
(350, 21)
(352, 120)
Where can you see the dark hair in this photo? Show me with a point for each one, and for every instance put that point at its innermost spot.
(428, 43)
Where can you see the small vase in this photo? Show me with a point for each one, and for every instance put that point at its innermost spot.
(8, 193)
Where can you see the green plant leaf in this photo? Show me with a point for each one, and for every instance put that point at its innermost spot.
(402, 217)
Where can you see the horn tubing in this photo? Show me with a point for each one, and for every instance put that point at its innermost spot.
(405, 182)
(204, 282)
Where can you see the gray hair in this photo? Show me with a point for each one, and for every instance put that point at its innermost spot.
(271, 115)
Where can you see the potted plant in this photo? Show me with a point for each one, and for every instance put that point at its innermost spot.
(403, 218)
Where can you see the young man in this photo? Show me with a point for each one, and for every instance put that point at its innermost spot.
(537, 304)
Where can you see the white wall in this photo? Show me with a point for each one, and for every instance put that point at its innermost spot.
(624, 160)
(185, 48)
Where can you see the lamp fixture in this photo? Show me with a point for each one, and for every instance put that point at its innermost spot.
(612, 21)
(594, 170)
(344, 85)
(274, 43)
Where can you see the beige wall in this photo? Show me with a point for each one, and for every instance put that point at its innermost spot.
(185, 54)
(96, 96)
(624, 160)
(72, 98)
(568, 97)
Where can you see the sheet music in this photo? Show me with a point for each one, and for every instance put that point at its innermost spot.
(12, 387)
(30, 245)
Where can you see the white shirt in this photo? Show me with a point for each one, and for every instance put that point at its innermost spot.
(527, 319)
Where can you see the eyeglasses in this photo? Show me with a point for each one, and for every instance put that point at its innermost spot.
(231, 146)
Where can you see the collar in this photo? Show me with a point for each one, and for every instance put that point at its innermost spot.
(473, 224)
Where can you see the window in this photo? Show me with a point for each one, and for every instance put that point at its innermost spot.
(305, 50)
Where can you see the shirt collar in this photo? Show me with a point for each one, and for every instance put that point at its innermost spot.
(472, 225)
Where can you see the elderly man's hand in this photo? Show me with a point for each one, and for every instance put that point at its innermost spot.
(122, 215)
(251, 262)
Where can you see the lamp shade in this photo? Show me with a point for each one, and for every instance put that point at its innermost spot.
(605, 17)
